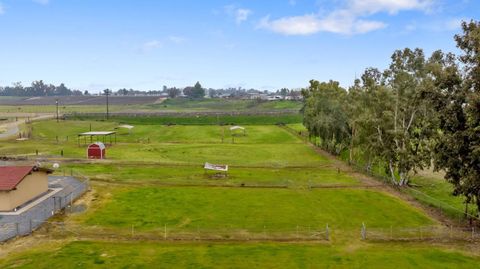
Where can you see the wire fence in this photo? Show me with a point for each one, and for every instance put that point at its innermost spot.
(424, 233)
(59, 229)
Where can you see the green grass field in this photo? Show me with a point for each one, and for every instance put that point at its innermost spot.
(254, 134)
(256, 155)
(437, 192)
(195, 175)
(154, 177)
(91, 254)
(252, 209)
(200, 119)
(193, 145)
(186, 105)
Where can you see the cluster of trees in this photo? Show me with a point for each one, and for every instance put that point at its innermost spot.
(38, 88)
(417, 112)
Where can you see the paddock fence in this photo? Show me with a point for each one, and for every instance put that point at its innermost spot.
(423, 233)
(60, 229)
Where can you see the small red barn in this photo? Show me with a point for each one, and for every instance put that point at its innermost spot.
(96, 151)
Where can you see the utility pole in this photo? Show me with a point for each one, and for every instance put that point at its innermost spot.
(107, 91)
(56, 104)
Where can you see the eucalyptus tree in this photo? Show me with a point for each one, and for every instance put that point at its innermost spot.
(404, 128)
(325, 115)
(456, 98)
(368, 100)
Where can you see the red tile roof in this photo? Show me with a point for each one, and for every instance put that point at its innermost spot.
(11, 176)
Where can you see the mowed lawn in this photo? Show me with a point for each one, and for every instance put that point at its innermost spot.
(93, 254)
(196, 175)
(189, 208)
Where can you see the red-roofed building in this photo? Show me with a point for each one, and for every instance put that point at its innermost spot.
(21, 184)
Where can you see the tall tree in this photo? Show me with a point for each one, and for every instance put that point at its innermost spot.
(456, 98)
(284, 92)
(173, 92)
(406, 131)
(325, 116)
(195, 92)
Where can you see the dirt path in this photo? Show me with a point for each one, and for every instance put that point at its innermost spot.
(12, 128)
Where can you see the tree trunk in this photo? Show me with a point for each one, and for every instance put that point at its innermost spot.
(392, 173)
(477, 199)
(350, 160)
(403, 179)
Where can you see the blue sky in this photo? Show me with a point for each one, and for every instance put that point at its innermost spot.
(263, 44)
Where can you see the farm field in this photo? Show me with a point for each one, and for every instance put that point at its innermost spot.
(96, 104)
(186, 105)
(189, 208)
(195, 175)
(168, 144)
(210, 118)
(94, 254)
(167, 134)
(51, 108)
(277, 187)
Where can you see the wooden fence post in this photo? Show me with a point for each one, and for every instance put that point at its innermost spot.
(327, 233)
(364, 231)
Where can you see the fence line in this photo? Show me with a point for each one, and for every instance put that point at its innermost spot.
(424, 233)
(299, 233)
(165, 232)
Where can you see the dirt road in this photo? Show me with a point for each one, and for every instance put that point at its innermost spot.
(10, 129)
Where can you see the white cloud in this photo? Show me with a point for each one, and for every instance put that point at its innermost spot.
(298, 25)
(2, 9)
(176, 39)
(338, 22)
(390, 6)
(42, 2)
(151, 45)
(351, 19)
(292, 2)
(240, 14)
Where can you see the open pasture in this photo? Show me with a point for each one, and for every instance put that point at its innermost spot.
(189, 208)
(255, 155)
(195, 175)
(186, 105)
(203, 118)
(144, 184)
(98, 254)
(261, 146)
(254, 134)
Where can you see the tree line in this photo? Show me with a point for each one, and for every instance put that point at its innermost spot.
(418, 112)
(38, 88)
